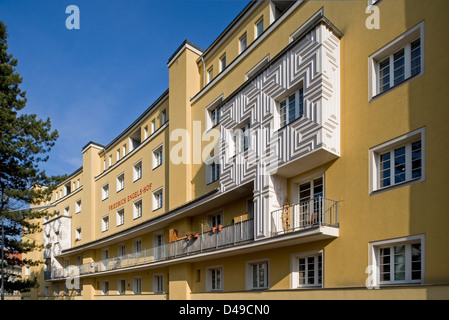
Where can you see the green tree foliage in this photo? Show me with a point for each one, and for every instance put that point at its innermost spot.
(25, 143)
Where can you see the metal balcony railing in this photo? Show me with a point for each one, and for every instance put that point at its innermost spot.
(230, 235)
(314, 212)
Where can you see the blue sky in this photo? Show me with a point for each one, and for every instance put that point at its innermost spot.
(94, 82)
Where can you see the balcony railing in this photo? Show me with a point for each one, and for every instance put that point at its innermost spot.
(314, 212)
(230, 235)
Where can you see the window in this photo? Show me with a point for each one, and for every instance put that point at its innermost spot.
(120, 217)
(307, 270)
(398, 161)
(137, 210)
(397, 62)
(121, 250)
(105, 223)
(110, 160)
(213, 113)
(164, 117)
(291, 108)
(118, 154)
(158, 246)
(105, 288)
(215, 116)
(214, 279)
(241, 138)
(121, 286)
(158, 283)
(78, 206)
(399, 260)
(134, 140)
(222, 62)
(213, 172)
(145, 132)
(137, 285)
(120, 182)
(215, 220)
(157, 199)
(105, 191)
(137, 247)
(257, 275)
(310, 195)
(157, 157)
(242, 43)
(153, 126)
(67, 188)
(137, 171)
(67, 211)
(78, 234)
(258, 28)
(124, 150)
(210, 74)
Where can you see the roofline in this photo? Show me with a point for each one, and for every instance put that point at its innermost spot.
(186, 44)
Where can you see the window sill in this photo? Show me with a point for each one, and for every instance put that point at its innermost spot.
(397, 185)
(378, 95)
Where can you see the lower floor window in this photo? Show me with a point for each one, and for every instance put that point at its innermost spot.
(259, 275)
(158, 283)
(307, 270)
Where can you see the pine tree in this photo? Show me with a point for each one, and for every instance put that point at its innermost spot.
(25, 143)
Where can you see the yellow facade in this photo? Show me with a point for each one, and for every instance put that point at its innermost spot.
(361, 168)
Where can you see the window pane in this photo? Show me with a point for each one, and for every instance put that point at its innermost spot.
(384, 74)
(399, 262)
(399, 165)
(399, 68)
(385, 169)
(301, 103)
(304, 192)
(292, 108)
(301, 271)
(416, 261)
(310, 270)
(415, 57)
(416, 159)
(384, 264)
(320, 269)
(282, 113)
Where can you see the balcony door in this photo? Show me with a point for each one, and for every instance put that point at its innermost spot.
(311, 194)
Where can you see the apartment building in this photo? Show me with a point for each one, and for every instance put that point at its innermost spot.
(300, 156)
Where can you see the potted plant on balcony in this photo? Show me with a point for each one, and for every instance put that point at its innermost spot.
(220, 227)
(213, 229)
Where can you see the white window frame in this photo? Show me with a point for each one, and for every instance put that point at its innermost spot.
(213, 113)
(153, 126)
(158, 156)
(137, 285)
(213, 168)
(294, 269)
(164, 117)
(137, 171)
(215, 219)
(78, 235)
(124, 150)
(257, 31)
(105, 288)
(249, 274)
(243, 42)
(105, 223)
(137, 208)
(158, 203)
(67, 211)
(120, 217)
(403, 41)
(222, 62)
(145, 132)
(404, 140)
(118, 154)
(120, 182)
(217, 285)
(240, 135)
(209, 74)
(285, 103)
(137, 246)
(158, 248)
(374, 259)
(78, 206)
(121, 282)
(105, 191)
(158, 283)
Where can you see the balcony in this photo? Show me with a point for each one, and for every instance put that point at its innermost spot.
(313, 213)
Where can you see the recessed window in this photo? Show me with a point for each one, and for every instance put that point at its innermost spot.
(78, 234)
(78, 206)
(214, 279)
(118, 154)
(105, 223)
(137, 209)
(257, 275)
(121, 286)
(120, 217)
(241, 138)
(213, 172)
(120, 182)
(158, 283)
(110, 160)
(210, 74)
(145, 132)
(307, 270)
(291, 108)
(157, 157)
(157, 199)
(258, 28)
(398, 61)
(153, 126)
(137, 285)
(67, 188)
(222, 63)
(105, 191)
(67, 211)
(105, 288)
(124, 150)
(398, 161)
(134, 140)
(164, 117)
(242, 43)
(137, 171)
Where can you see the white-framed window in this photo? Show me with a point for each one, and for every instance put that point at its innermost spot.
(46, 291)
(120, 182)
(121, 250)
(105, 191)
(292, 107)
(158, 283)
(121, 286)
(258, 28)
(110, 160)
(257, 275)
(262, 63)
(124, 150)
(209, 74)
(398, 261)
(137, 246)
(215, 220)
(137, 171)
(137, 209)
(222, 62)
(241, 138)
(120, 217)
(157, 156)
(157, 199)
(214, 278)
(67, 211)
(137, 285)
(104, 223)
(164, 117)
(78, 206)
(118, 154)
(243, 43)
(105, 288)
(153, 126)
(398, 61)
(212, 172)
(398, 161)
(158, 246)
(78, 234)
(307, 270)
(213, 113)
(145, 132)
